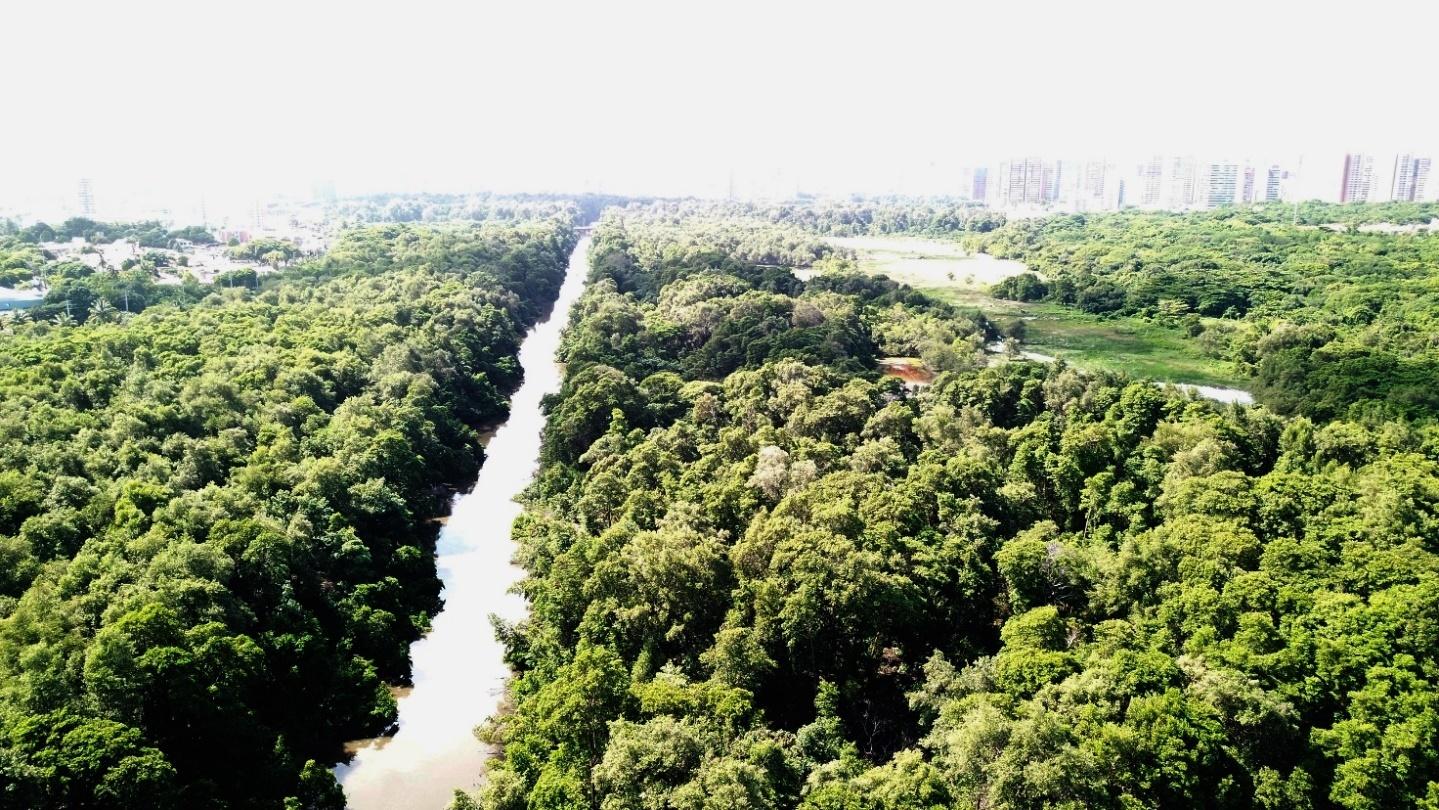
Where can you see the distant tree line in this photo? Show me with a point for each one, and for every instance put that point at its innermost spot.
(145, 234)
(478, 207)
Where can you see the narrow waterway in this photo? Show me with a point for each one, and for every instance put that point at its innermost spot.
(459, 673)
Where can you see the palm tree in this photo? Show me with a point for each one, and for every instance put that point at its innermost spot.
(19, 316)
(64, 319)
(102, 310)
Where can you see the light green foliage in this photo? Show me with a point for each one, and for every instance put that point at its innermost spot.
(274, 252)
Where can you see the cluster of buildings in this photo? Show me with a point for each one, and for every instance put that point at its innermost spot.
(1025, 185)
(1183, 182)
(303, 224)
(204, 262)
(234, 217)
(1407, 180)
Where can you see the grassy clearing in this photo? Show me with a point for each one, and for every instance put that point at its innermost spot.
(1137, 347)
(1131, 345)
(1134, 346)
(928, 262)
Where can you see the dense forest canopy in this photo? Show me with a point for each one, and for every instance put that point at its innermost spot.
(761, 573)
(763, 576)
(216, 535)
(706, 295)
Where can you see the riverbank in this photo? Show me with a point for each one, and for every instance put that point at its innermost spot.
(459, 672)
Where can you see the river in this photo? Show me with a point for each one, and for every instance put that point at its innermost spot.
(459, 671)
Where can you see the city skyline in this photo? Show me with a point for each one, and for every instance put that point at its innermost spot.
(560, 97)
(1033, 183)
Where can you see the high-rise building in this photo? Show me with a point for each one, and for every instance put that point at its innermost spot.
(972, 183)
(1151, 178)
(1026, 182)
(1220, 182)
(1247, 196)
(1088, 186)
(1066, 181)
(1411, 173)
(87, 198)
(1358, 176)
(1274, 183)
(1011, 179)
(1051, 174)
(1033, 181)
(1091, 178)
(1179, 192)
(1095, 175)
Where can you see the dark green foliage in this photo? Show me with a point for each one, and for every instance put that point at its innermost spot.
(216, 535)
(18, 261)
(1023, 287)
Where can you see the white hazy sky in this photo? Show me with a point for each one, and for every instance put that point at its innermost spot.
(252, 97)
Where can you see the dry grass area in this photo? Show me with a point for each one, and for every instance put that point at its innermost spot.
(928, 262)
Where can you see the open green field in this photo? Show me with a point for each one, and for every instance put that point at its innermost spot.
(928, 262)
(1131, 345)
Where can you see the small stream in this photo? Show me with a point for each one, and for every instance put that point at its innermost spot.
(459, 670)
